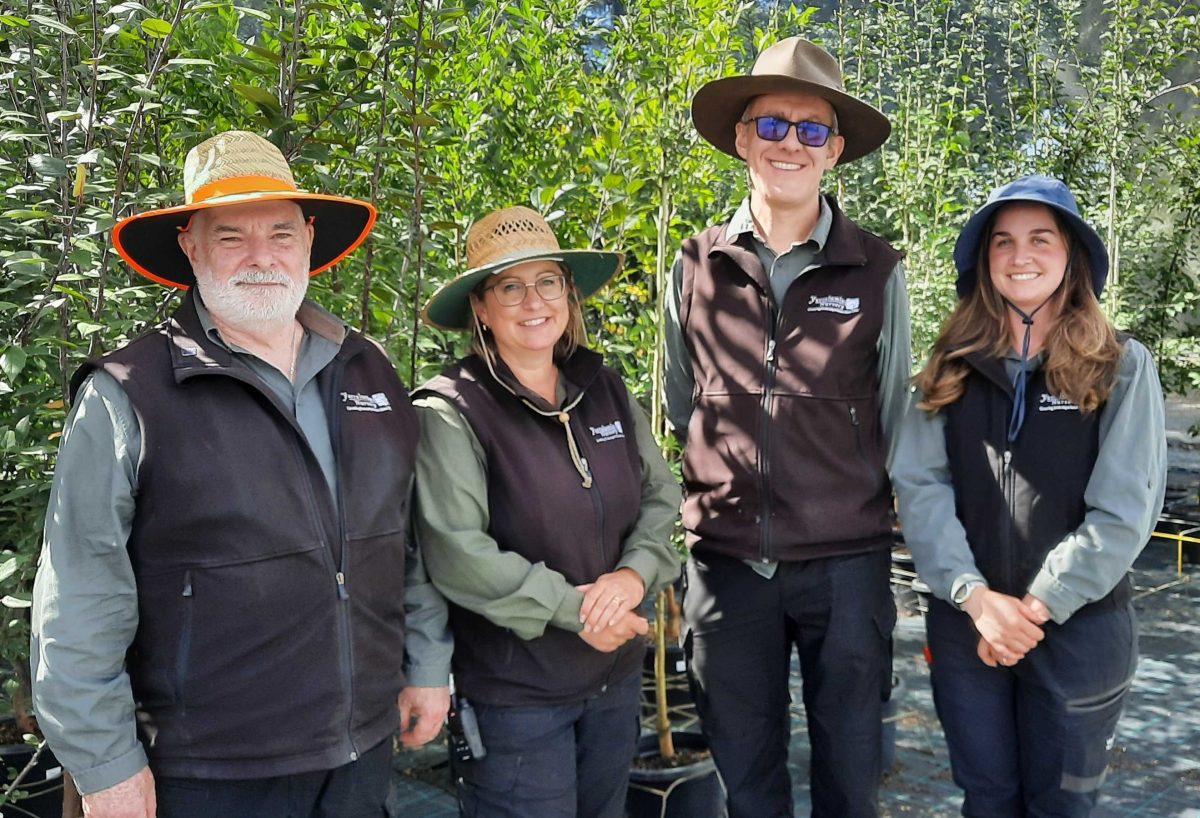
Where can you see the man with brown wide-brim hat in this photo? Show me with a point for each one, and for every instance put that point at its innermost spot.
(219, 613)
(787, 363)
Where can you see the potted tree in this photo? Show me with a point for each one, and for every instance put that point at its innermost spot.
(673, 775)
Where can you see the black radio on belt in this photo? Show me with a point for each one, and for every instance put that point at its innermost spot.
(465, 741)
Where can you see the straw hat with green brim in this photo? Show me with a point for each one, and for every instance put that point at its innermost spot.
(503, 239)
(237, 167)
(792, 65)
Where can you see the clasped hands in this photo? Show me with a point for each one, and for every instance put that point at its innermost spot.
(1008, 627)
(609, 609)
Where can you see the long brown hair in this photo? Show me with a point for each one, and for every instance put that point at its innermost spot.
(1082, 351)
(574, 336)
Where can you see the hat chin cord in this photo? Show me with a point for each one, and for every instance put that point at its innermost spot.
(1017, 418)
(563, 415)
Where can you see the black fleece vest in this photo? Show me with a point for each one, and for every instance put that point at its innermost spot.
(1017, 501)
(785, 454)
(539, 508)
(271, 632)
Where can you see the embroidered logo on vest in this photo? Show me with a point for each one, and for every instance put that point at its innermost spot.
(1053, 403)
(833, 303)
(607, 432)
(366, 403)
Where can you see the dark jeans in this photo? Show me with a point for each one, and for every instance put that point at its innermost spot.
(354, 790)
(839, 615)
(553, 761)
(1031, 741)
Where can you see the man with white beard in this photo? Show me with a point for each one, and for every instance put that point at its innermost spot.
(219, 615)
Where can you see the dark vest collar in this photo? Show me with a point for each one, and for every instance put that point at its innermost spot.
(844, 247)
(577, 371)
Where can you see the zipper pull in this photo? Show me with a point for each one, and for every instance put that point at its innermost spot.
(187, 584)
(341, 583)
(853, 416)
(771, 350)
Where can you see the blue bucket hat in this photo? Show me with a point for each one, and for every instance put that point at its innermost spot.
(1040, 189)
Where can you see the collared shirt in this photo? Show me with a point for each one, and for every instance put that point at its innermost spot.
(1123, 494)
(85, 612)
(894, 345)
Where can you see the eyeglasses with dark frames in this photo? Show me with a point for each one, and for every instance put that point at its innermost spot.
(510, 291)
(775, 129)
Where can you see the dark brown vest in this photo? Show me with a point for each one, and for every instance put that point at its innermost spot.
(251, 659)
(539, 508)
(785, 455)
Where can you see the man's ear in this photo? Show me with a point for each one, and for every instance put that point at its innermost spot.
(742, 139)
(834, 148)
(187, 243)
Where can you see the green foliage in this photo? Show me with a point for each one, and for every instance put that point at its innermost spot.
(438, 111)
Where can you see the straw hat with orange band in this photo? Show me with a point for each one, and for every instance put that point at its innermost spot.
(237, 167)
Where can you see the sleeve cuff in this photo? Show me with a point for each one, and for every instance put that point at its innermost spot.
(1061, 601)
(566, 615)
(645, 566)
(428, 675)
(105, 775)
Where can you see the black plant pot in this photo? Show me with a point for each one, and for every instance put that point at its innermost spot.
(42, 785)
(690, 791)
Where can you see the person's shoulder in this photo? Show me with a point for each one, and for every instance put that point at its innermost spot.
(1134, 354)
(450, 382)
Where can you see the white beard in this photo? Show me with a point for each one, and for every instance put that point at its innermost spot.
(250, 306)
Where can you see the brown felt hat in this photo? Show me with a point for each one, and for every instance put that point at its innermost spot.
(236, 167)
(789, 66)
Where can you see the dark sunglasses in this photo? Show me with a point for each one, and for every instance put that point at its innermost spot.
(775, 129)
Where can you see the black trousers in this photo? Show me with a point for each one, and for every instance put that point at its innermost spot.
(839, 615)
(1031, 741)
(553, 761)
(354, 790)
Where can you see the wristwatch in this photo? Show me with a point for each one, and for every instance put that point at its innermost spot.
(960, 594)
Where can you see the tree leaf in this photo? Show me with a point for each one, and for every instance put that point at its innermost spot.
(156, 27)
(259, 96)
(50, 22)
(45, 165)
(12, 361)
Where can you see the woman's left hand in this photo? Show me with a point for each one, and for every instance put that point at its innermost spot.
(609, 598)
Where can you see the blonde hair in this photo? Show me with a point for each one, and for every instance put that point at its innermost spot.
(574, 336)
(1082, 350)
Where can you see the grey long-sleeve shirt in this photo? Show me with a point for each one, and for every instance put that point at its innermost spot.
(894, 345)
(468, 565)
(1123, 496)
(85, 610)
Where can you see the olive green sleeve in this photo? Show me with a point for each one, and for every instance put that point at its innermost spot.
(648, 549)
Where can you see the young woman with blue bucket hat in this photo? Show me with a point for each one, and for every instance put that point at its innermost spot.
(1030, 469)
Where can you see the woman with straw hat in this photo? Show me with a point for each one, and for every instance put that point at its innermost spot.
(1030, 471)
(544, 511)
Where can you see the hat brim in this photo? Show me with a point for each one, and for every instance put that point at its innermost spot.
(149, 241)
(718, 107)
(450, 306)
(966, 247)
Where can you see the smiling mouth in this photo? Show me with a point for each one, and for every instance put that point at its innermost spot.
(785, 165)
(1024, 276)
(534, 322)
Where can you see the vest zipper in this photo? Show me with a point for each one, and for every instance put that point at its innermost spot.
(764, 445)
(1006, 483)
(343, 610)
